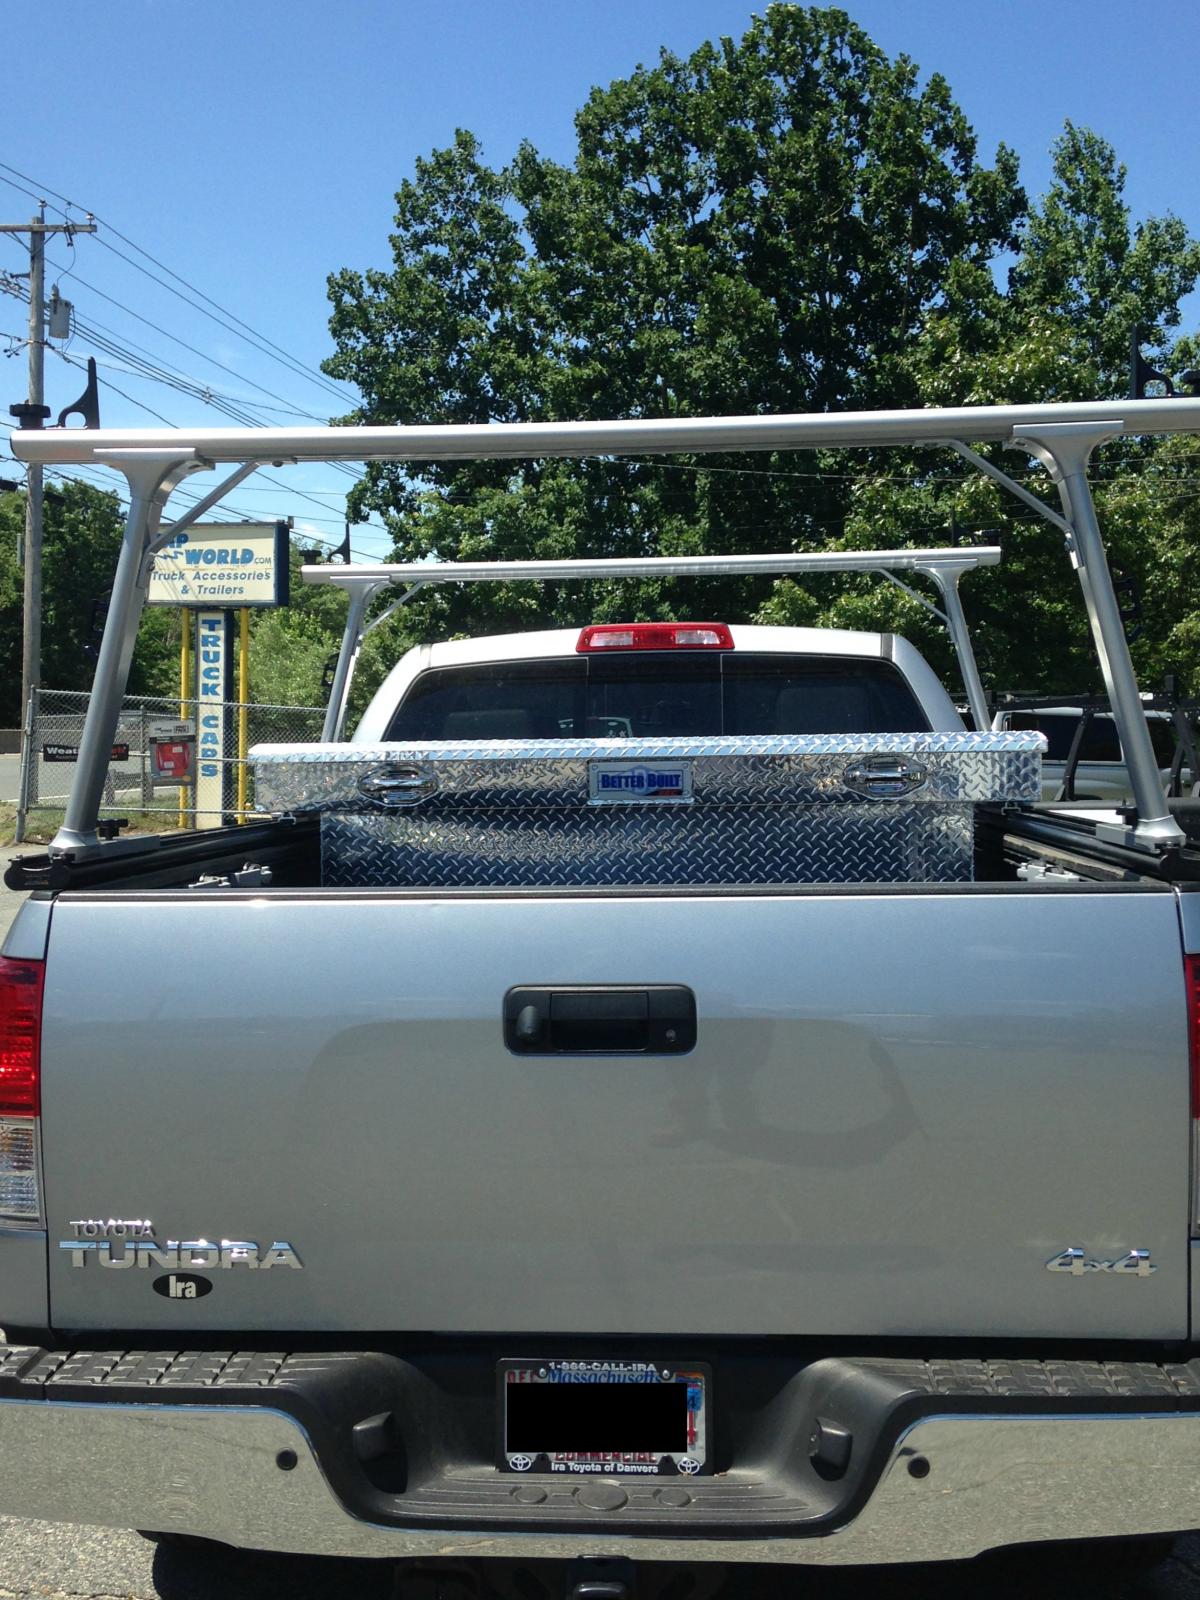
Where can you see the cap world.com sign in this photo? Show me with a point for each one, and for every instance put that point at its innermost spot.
(219, 564)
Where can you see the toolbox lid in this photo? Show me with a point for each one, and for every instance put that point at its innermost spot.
(768, 770)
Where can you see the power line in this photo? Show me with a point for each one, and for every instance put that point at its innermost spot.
(241, 328)
(16, 289)
(187, 495)
(297, 411)
(192, 390)
(146, 366)
(301, 536)
(169, 367)
(196, 390)
(256, 342)
(32, 193)
(249, 488)
(217, 403)
(106, 483)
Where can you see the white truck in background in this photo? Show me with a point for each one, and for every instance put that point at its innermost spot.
(1084, 760)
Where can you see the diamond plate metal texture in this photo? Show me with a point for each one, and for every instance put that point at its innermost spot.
(868, 842)
(1158, 1385)
(962, 768)
(1022, 1378)
(764, 810)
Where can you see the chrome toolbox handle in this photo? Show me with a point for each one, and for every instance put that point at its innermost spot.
(397, 785)
(885, 777)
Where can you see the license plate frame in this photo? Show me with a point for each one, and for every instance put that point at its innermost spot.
(605, 1393)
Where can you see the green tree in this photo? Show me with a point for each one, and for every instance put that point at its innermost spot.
(1087, 268)
(292, 649)
(792, 221)
(1085, 276)
(764, 225)
(81, 543)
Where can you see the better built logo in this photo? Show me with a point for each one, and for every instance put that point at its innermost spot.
(623, 781)
(644, 780)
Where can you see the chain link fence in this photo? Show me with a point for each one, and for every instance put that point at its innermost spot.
(159, 776)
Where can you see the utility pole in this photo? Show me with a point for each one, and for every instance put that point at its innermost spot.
(32, 414)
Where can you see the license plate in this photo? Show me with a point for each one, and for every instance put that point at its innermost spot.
(614, 1418)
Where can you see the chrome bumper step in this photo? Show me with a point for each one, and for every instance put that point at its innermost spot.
(362, 1453)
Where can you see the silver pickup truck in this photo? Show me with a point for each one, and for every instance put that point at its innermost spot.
(660, 1094)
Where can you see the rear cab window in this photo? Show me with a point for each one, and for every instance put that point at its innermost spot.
(657, 694)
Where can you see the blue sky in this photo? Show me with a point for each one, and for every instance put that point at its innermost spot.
(253, 146)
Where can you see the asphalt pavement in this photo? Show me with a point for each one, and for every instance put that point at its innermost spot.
(40, 1561)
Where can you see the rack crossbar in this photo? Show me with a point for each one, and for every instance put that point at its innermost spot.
(641, 436)
(431, 572)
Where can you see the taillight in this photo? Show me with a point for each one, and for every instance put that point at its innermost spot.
(20, 1086)
(20, 1037)
(655, 636)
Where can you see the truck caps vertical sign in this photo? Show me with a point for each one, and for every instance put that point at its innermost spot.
(214, 673)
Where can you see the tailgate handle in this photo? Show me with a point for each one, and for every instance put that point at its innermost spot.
(600, 1019)
(396, 785)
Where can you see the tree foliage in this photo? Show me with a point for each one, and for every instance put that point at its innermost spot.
(1085, 268)
(81, 541)
(791, 221)
(763, 226)
(292, 649)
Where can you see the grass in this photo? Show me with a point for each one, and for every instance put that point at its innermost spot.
(41, 825)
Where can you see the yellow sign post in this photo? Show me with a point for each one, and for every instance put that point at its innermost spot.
(186, 709)
(243, 707)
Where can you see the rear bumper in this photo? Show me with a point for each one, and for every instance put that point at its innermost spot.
(944, 1470)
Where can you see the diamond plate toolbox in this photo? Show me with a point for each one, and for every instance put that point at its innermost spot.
(837, 808)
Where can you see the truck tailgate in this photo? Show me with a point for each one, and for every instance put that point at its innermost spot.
(900, 1106)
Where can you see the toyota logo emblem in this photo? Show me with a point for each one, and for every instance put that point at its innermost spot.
(520, 1463)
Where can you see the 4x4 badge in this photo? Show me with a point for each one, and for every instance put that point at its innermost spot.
(1134, 1263)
